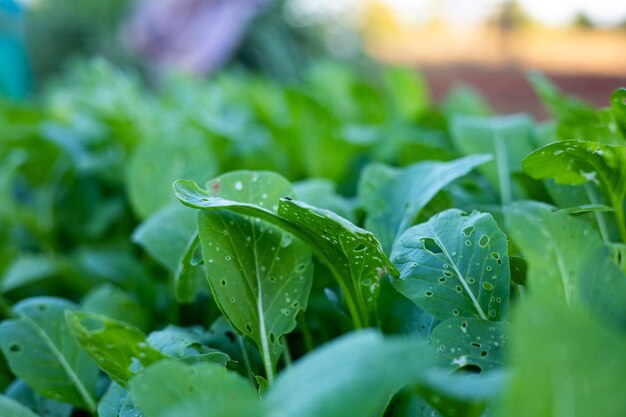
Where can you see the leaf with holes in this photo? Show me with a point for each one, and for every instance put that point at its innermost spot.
(171, 389)
(259, 274)
(577, 162)
(508, 138)
(567, 260)
(394, 197)
(118, 402)
(118, 348)
(466, 343)
(41, 351)
(353, 255)
(185, 345)
(455, 264)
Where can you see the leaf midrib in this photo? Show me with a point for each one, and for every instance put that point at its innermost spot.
(64, 364)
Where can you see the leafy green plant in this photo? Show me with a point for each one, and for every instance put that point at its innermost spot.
(336, 247)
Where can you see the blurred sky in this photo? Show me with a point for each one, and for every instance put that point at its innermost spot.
(603, 13)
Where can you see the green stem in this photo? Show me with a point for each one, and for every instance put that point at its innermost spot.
(306, 332)
(287, 353)
(619, 216)
(598, 215)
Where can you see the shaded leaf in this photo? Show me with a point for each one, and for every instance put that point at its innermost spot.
(394, 197)
(170, 389)
(113, 302)
(11, 408)
(41, 351)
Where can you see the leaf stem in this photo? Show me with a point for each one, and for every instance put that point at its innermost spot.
(619, 216)
(598, 215)
(306, 332)
(287, 353)
(246, 358)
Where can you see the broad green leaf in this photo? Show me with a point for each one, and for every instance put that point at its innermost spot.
(153, 167)
(27, 269)
(118, 402)
(119, 349)
(567, 363)
(353, 255)
(166, 233)
(11, 408)
(41, 351)
(321, 193)
(508, 138)
(352, 376)
(464, 395)
(185, 345)
(189, 275)
(455, 264)
(172, 389)
(460, 342)
(259, 274)
(113, 302)
(46, 407)
(466, 101)
(567, 260)
(577, 162)
(394, 197)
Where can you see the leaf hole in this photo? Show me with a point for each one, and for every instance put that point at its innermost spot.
(272, 338)
(469, 369)
(476, 344)
(360, 247)
(300, 268)
(15, 347)
(223, 283)
(459, 288)
(487, 286)
(484, 240)
(455, 312)
(468, 231)
(443, 279)
(429, 293)
(495, 255)
(249, 328)
(431, 246)
(483, 353)
(447, 273)
(471, 280)
(42, 307)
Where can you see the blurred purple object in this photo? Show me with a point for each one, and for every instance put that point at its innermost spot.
(196, 36)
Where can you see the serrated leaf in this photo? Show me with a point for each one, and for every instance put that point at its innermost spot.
(353, 255)
(508, 138)
(567, 260)
(119, 349)
(259, 274)
(455, 264)
(351, 376)
(41, 351)
(394, 197)
(11, 408)
(460, 342)
(171, 389)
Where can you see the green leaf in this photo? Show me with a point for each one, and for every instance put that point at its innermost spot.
(259, 274)
(462, 395)
(41, 351)
(394, 197)
(154, 166)
(407, 92)
(166, 234)
(351, 376)
(11, 408)
(113, 302)
(46, 407)
(353, 255)
(455, 265)
(577, 162)
(321, 193)
(567, 260)
(189, 275)
(567, 363)
(171, 389)
(508, 138)
(119, 349)
(618, 106)
(185, 345)
(118, 402)
(468, 341)
(27, 269)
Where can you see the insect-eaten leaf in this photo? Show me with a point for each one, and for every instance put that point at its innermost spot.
(455, 265)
